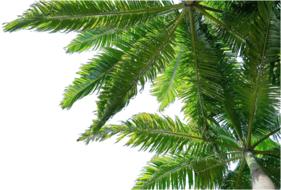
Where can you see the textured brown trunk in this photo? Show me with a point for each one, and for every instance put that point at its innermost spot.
(259, 179)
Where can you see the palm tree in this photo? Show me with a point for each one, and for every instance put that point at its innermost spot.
(221, 59)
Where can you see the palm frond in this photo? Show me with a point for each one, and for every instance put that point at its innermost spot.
(94, 39)
(238, 37)
(235, 19)
(84, 15)
(227, 111)
(268, 146)
(223, 139)
(164, 87)
(230, 71)
(179, 171)
(262, 99)
(266, 137)
(200, 77)
(154, 133)
(92, 76)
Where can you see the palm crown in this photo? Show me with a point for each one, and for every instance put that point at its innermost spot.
(189, 51)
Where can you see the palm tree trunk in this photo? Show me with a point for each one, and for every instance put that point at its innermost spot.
(259, 179)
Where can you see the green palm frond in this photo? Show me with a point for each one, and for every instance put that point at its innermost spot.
(235, 19)
(266, 136)
(179, 171)
(164, 87)
(154, 133)
(238, 38)
(269, 145)
(94, 39)
(227, 110)
(266, 116)
(161, 134)
(200, 77)
(261, 100)
(225, 138)
(229, 114)
(83, 15)
(92, 76)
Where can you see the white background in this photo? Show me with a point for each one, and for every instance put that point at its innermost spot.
(38, 148)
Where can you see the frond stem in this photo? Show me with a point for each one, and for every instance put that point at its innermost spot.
(259, 73)
(196, 64)
(265, 137)
(170, 133)
(155, 177)
(114, 13)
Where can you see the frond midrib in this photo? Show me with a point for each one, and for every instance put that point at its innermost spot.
(156, 178)
(114, 13)
(196, 64)
(257, 80)
(168, 133)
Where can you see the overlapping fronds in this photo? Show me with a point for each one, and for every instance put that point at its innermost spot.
(239, 178)
(141, 63)
(145, 58)
(261, 99)
(223, 139)
(98, 38)
(232, 23)
(221, 59)
(200, 78)
(84, 15)
(93, 76)
(228, 113)
(179, 171)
